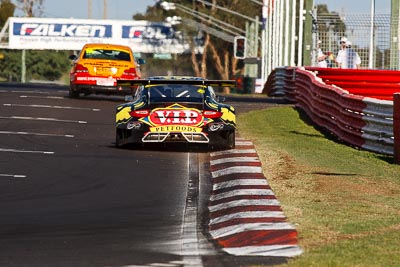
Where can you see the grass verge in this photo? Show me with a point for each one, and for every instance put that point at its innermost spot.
(344, 202)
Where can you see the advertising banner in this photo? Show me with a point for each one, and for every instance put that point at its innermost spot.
(72, 34)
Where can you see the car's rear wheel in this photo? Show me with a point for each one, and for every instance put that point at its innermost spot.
(73, 93)
(119, 138)
(230, 139)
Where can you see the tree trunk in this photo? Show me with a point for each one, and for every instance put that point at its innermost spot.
(200, 69)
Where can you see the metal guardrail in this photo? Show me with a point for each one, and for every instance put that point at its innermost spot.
(359, 121)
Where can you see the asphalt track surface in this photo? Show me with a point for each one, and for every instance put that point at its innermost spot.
(68, 197)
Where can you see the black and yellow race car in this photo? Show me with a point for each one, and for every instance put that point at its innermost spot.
(176, 109)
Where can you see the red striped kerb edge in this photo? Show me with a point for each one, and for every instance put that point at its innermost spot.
(245, 217)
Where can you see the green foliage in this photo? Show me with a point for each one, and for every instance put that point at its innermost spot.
(6, 10)
(329, 20)
(40, 65)
(343, 201)
(153, 13)
(10, 68)
(200, 8)
(156, 67)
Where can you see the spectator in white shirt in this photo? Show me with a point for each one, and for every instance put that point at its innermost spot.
(321, 57)
(349, 59)
(342, 50)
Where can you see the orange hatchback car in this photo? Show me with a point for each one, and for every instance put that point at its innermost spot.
(98, 67)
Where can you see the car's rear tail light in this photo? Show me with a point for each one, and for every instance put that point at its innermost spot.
(81, 68)
(131, 72)
(139, 113)
(212, 114)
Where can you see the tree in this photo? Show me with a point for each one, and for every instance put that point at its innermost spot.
(330, 19)
(6, 10)
(10, 67)
(47, 66)
(217, 60)
(221, 52)
(31, 8)
(43, 65)
(329, 23)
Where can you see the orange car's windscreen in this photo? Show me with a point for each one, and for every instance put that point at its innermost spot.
(108, 54)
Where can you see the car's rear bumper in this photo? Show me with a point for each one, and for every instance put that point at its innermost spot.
(142, 135)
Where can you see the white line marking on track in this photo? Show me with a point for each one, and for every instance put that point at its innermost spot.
(48, 97)
(13, 175)
(244, 227)
(235, 159)
(247, 215)
(48, 106)
(34, 92)
(236, 169)
(242, 192)
(162, 265)
(190, 241)
(26, 151)
(157, 264)
(272, 250)
(239, 182)
(31, 92)
(39, 134)
(41, 119)
(243, 203)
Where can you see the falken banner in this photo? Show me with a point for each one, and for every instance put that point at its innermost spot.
(72, 34)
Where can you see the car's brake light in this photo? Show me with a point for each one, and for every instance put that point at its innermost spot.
(139, 113)
(212, 114)
(81, 68)
(131, 71)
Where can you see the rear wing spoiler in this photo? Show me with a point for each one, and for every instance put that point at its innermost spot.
(223, 83)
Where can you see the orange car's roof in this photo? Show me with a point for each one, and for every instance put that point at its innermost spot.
(97, 45)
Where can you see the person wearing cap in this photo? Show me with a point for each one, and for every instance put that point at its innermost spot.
(342, 51)
(321, 57)
(349, 59)
(353, 59)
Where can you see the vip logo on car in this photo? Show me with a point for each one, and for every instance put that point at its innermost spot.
(176, 116)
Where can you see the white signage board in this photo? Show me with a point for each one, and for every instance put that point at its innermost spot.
(72, 34)
(258, 86)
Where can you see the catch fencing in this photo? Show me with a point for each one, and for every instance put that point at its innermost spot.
(357, 120)
(357, 28)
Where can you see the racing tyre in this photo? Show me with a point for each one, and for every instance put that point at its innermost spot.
(73, 93)
(119, 138)
(230, 139)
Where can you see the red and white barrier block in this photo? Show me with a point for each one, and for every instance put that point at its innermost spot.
(245, 217)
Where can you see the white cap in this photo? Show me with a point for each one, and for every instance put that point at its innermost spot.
(348, 43)
(319, 41)
(344, 39)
